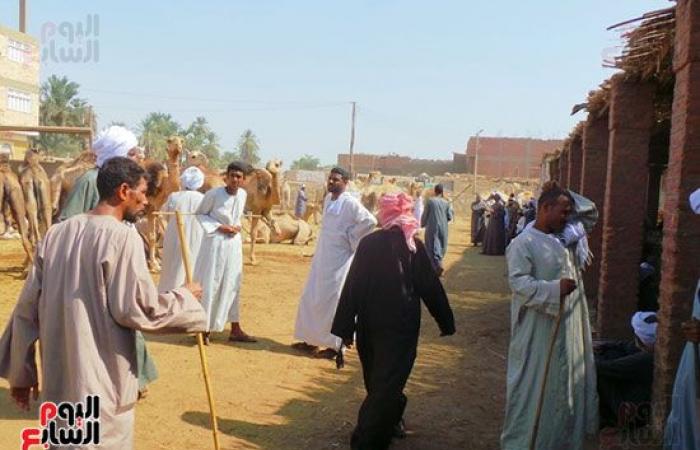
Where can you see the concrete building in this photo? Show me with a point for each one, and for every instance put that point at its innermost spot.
(19, 87)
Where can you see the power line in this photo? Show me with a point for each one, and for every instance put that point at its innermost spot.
(218, 110)
(220, 100)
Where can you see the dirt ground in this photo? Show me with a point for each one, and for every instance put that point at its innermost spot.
(268, 396)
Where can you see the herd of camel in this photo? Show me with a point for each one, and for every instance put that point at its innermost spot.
(31, 200)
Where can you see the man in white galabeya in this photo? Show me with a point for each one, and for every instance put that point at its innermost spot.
(345, 222)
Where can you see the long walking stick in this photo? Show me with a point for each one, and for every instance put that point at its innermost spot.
(200, 341)
(540, 401)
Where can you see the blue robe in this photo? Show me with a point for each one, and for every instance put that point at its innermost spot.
(300, 207)
(536, 264)
(436, 215)
(682, 428)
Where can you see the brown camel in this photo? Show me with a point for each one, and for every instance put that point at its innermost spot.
(11, 195)
(164, 180)
(37, 195)
(263, 189)
(63, 180)
(291, 229)
(212, 177)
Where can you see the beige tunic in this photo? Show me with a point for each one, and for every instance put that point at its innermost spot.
(88, 290)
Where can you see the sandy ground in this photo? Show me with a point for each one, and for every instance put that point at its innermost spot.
(268, 396)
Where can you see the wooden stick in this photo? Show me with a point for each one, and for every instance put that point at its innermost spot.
(165, 213)
(200, 340)
(540, 401)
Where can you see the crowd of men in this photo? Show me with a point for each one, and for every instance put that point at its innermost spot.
(89, 288)
(495, 223)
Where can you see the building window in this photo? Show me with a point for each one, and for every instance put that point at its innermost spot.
(18, 51)
(19, 101)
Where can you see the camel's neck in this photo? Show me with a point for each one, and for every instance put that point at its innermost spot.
(275, 185)
(174, 173)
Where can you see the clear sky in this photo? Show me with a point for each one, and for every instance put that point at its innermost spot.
(426, 75)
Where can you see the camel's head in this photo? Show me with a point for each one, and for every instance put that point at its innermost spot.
(32, 156)
(157, 173)
(373, 175)
(198, 159)
(273, 166)
(175, 146)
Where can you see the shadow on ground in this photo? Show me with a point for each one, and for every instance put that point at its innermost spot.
(10, 411)
(456, 391)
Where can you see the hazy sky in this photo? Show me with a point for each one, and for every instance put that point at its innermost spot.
(426, 75)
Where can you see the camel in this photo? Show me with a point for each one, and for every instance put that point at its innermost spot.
(163, 181)
(371, 192)
(63, 180)
(212, 178)
(287, 204)
(7, 231)
(289, 229)
(262, 187)
(37, 195)
(11, 195)
(313, 210)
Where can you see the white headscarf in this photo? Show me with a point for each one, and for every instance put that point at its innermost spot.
(645, 331)
(112, 142)
(695, 201)
(192, 178)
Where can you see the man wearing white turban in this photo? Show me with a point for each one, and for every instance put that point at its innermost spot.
(187, 201)
(625, 371)
(111, 142)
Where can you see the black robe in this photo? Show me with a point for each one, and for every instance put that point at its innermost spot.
(383, 290)
(625, 375)
(495, 236)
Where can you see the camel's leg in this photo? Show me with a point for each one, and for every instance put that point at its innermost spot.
(253, 237)
(55, 187)
(152, 261)
(7, 212)
(30, 207)
(14, 195)
(45, 208)
(6, 222)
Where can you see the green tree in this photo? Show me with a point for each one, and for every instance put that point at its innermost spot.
(155, 129)
(248, 149)
(60, 105)
(200, 137)
(306, 162)
(228, 157)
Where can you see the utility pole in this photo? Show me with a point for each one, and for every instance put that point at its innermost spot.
(22, 16)
(352, 141)
(476, 156)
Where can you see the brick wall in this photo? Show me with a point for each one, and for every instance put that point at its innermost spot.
(575, 163)
(681, 241)
(510, 157)
(631, 119)
(564, 167)
(593, 177)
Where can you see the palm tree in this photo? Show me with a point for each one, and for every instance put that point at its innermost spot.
(249, 148)
(200, 137)
(156, 128)
(61, 106)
